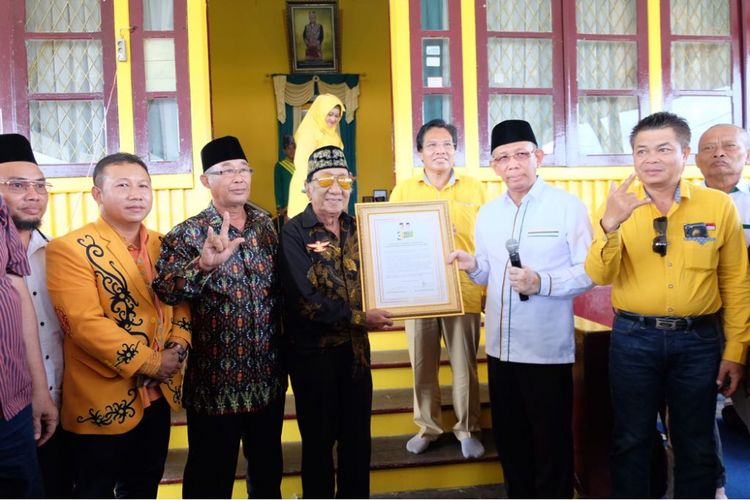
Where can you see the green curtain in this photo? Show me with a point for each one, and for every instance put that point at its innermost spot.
(348, 131)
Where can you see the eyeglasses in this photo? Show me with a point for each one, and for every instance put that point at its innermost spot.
(519, 156)
(231, 172)
(345, 181)
(18, 186)
(660, 242)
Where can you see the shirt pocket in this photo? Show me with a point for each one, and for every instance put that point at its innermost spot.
(700, 256)
(545, 241)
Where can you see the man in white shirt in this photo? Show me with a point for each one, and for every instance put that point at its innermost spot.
(530, 344)
(723, 152)
(24, 188)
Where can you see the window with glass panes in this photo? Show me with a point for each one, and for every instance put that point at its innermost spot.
(61, 93)
(437, 85)
(160, 84)
(62, 76)
(579, 76)
(702, 60)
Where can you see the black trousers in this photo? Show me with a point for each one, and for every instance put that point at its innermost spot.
(532, 412)
(333, 408)
(213, 448)
(126, 465)
(57, 468)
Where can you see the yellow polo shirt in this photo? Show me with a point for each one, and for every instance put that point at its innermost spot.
(464, 195)
(705, 268)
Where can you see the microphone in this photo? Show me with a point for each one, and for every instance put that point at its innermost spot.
(515, 260)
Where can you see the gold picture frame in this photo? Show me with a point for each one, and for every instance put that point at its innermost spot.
(403, 250)
(314, 45)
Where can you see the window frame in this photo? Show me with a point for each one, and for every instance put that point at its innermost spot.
(184, 164)
(738, 92)
(564, 91)
(455, 90)
(22, 97)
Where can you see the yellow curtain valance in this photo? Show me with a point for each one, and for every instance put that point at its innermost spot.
(299, 94)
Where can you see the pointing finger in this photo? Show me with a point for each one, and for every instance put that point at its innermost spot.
(612, 187)
(224, 225)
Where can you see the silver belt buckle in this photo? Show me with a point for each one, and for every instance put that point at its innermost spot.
(666, 323)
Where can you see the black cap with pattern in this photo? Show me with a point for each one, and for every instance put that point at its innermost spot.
(325, 157)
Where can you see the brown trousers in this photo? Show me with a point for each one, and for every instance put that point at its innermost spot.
(461, 337)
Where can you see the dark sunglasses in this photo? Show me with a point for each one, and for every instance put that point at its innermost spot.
(660, 242)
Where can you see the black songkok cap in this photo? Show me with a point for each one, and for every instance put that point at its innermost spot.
(512, 131)
(222, 149)
(325, 157)
(15, 147)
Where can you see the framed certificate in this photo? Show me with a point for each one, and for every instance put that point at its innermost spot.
(404, 250)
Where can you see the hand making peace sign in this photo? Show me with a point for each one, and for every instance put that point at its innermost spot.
(620, 204)
(217, 249)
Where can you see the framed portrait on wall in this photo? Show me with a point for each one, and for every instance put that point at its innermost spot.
(313, 36)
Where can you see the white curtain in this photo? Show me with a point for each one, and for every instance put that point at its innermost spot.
(163, 130)
(158, 15)
(299, 95)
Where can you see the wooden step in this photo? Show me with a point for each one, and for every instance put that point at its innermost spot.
(484, 491)
(395, 338)
(392, 467)
(392, 412)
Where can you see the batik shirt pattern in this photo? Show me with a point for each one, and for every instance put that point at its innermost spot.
(235, 364)
(322, 289)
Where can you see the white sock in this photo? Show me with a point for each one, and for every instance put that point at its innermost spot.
(417, 444)
(471, 447)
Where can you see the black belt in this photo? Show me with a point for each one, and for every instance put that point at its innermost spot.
(668, 322)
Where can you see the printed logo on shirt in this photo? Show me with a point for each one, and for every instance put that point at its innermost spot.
(698, 232)
(543, 233)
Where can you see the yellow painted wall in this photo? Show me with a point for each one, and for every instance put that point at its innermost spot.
(248, 43)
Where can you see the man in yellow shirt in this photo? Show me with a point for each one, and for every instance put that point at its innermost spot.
(676, 258)
(436, 144)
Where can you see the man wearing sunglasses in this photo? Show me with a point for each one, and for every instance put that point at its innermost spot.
(436, 144)
(329, 359)
(24, 188)
(677, 260)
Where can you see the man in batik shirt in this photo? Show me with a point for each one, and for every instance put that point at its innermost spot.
(329, 360)
(223, 262)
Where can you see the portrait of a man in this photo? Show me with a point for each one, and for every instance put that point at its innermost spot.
(312, 34)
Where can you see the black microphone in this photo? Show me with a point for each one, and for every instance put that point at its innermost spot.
(515, 260)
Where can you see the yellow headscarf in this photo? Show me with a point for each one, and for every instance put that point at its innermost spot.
(312, 133)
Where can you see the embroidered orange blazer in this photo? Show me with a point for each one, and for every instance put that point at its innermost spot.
(111, 325)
